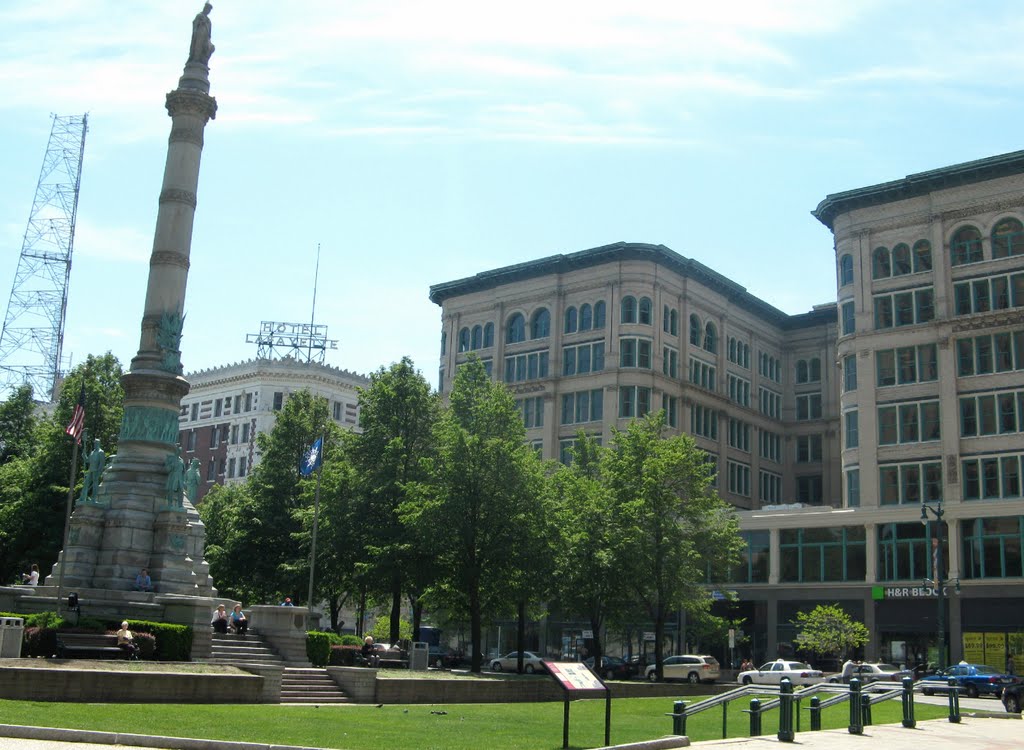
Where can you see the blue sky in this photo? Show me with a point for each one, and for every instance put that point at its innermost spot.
(418, 143)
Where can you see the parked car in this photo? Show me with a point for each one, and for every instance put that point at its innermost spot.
(974, 679)
(687, 667)
(773, 672)
(612, 668)
(1012, 697)
(510, 662)
(873, 672)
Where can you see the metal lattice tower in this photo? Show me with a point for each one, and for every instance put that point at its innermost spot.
(33, 332)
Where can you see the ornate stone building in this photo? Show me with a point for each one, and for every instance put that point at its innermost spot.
(828, 429)
(228, 406)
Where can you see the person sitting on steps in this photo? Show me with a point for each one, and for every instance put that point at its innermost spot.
(239, 621)
(220, 620)
(126, 641)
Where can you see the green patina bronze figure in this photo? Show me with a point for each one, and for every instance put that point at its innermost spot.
(175, 479)
(95, 462)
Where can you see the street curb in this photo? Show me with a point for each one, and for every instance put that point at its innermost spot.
(139, 740)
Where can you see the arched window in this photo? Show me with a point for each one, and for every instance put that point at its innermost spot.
(673, 322)
(922, 256)
(540, 325)
(814, 370)
(1007, 238)
(645, 310)
(515, 330)
(571, 320)
(586, 317)
(880, 268)
(488, 335)
(846, 270)
(599, 310)
(477, 339)
(628, 310)
(801, 371)
(965, 247)
(901, 260)
(732, 349)
(464, 340)
(710, 338)
(695, 330)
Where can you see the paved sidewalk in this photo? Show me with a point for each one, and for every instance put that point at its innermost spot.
(936, 734)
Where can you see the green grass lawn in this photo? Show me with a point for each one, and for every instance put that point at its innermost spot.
(505, 726)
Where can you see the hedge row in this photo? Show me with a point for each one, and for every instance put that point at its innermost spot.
(156, 640)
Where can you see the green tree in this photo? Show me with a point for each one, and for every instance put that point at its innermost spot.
(17, 424)
(588, 572)
(338, 550)
(34, 495)
(829, 631)
(259, 552)
(397, 414)
(677, 534)
(481, 503)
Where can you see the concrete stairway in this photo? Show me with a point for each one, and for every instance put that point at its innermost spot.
(298, 684)
(310, 685)
(247, 649)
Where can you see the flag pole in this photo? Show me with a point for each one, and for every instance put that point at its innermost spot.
(316, 520)
(67, 524)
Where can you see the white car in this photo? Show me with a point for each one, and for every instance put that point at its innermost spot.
(773, 672)
(693, 669)
(510, 662)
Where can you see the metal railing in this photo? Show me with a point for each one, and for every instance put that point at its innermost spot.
(860, 697)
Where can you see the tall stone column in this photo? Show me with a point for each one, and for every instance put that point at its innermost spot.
(147, 520)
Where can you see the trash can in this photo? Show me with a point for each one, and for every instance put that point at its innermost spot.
(419, 656)
(12, 630)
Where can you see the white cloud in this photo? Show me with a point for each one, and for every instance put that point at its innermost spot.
(111, 243)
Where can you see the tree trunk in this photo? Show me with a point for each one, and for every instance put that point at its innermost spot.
(659, 633)
(417, 616)
(395, 631)
(521, 635)
(361, 612)
(474, 630)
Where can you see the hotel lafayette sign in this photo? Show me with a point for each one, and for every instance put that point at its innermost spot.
(291, 339)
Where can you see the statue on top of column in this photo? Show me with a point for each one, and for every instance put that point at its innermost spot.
(201, 47)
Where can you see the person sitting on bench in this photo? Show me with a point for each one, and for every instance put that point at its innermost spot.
(126, 641)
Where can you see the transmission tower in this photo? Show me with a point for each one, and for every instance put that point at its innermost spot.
(33, 333)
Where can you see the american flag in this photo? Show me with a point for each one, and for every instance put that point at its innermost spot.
(77, 424)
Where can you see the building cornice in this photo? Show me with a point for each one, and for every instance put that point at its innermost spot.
(920, 184)
(617, 253)
(270, 368)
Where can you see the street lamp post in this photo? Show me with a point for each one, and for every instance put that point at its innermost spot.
(938, 573)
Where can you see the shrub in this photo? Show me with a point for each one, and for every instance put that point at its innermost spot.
(344, 655)
(351, 640)
(39, 642)
(170, 642)
(318, 647)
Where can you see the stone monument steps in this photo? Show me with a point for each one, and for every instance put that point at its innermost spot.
(234, 649)
(310, 685)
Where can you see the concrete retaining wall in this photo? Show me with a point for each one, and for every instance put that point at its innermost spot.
(89, 686)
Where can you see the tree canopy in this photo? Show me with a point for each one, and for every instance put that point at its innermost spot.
(828, 630)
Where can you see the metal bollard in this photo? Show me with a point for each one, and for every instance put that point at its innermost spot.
(865, 704)
(786, 733)
(954, 702)
(908, 703)
(755, 717)
(679, 718)
(725, 719)
(856, 719)
(815, 714)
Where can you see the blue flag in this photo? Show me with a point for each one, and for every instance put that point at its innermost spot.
(313, 458)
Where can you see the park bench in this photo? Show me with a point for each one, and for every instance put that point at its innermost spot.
(89, 646)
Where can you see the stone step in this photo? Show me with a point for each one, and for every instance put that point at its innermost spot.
(309, 685)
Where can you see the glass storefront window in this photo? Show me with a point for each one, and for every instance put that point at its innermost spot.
(817, 555)
(992, 547)
(903, 551)
(753, 566)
